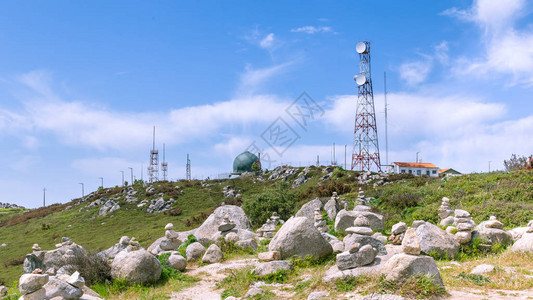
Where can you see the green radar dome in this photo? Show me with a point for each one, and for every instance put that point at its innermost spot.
(243, 162)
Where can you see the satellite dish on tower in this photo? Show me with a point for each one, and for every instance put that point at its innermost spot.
(360, 79)
(361, 47)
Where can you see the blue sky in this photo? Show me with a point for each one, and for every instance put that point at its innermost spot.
(82, 84)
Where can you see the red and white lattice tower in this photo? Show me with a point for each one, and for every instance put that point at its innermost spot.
(153, 168)
(365, 154)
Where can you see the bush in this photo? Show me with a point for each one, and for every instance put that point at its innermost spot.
(93, 268)
(279, 199)
(174, 212)
(328, 189)
(15, 261)
(181, 249)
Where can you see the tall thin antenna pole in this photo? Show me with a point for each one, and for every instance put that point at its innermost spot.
(334, 162)
(142, 171)
(44, 197)
(345, 156)
(188, 169)
(164, 165)
(102, 182)
(153, 168)
(131, 169)
(122, 177)
(386, 122)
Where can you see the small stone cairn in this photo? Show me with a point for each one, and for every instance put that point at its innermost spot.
(226, 224)
(269, 228)
(171, 241)
(361, 226)
(398, 232)
(463, 224)
(356, 256)
(494, 223)
(445, 213)
(320, 223)
(360, 198)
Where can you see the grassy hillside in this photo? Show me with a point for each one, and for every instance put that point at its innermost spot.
(509, 196)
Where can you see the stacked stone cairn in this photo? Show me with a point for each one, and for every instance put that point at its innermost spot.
(398, 232)
(445, 213)
(320, 223)
(464, 224)
(171, 241)
(226, 225)
(360, 198)
(356, 256)
(361, 226)
(269, 228)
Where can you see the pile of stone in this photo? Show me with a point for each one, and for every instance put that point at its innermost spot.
(108, 207)
(445, 213)
(361, 226)
(228, 192)
(403, 266)
(398, 232)
(491, 232)
(360, 197)
(356, 256)
(52, 261)
(160, 205)
(302, 178)
(130, 193)
(112, 251)
(282, 172)
(268, 229)
(169, 242)
(320, 223)
(226, 225)
(43, 287)
(464, 224)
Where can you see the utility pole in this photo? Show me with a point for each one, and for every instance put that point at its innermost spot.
(142, 167)
(417, 157)
(82, 190)
(44, 197)
(345, 156)
(489, 165)
(131, 169)
(102, 182)
(122, 177)
(386, 125)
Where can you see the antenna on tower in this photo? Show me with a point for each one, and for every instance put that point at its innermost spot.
(365, 146)
(153, 168)
(334, 161)
(188, 169)
(164, 165)
(386, 123)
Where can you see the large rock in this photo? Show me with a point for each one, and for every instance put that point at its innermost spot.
(136, 266)
(524, 244)
(345, 219)
(194, 251)
(212, 255)
(55, 259)
(177, 262)
(111, 252)
(362, 240)
(299, 237)
(401, 267)
(210, 226)
(433, 239)
(410, 242)
(39, 294)
(331, 209)
(364, 256)
(59, 288)
(493, 235)
(516, 233)
(29, 283)
(308, 209)
(399, 228)
(266, 268)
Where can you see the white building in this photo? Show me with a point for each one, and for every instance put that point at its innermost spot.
(416, 169)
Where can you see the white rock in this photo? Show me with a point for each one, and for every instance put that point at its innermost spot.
(410, 243)
(269, 256)
(459, 213)
(482, 269)
(399, 228)
(29, 283)
(169, 226)
(76, 280)
(177, 262)
(212, 255)
(402, 267)
(194, 251)
(136, 266)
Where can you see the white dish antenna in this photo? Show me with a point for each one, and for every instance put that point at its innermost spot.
(360, 79)
(360, 47)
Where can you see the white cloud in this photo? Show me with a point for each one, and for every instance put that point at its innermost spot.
(267, 41)
(312, 29)
(508, 49)
(415, 72)
(252, 79)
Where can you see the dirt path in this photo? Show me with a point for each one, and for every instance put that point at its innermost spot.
(209, 275)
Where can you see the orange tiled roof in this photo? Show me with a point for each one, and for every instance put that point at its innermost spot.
(443, 170)
(415, 165)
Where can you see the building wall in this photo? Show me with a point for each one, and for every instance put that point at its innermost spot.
(433, 172)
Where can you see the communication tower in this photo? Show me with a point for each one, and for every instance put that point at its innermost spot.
(188, 169)
(365, 152)
(164, 165)
(153, 168)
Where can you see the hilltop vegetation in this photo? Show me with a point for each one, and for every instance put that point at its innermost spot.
(507, 195)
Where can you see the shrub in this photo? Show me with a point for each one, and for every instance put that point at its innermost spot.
(337, 186)
(181, 249)
(174, 212)
(15, 261)
(93, 267)
(278, 199)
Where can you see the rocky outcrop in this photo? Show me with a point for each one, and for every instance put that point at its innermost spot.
(53, 259)
(138, 266)
(346, 218)
(111, 252)
(402, 267)
(209, 230)
(299, 237)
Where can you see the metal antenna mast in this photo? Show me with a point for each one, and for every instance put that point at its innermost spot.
(365, 152)
(188, 169)
(153, 168)
(386, 123)
(164, 165)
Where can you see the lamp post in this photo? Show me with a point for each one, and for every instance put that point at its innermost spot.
(417, 157)
(122, 177)
(102, 182)
(131, 169)
(82, 190)
(489, 165)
